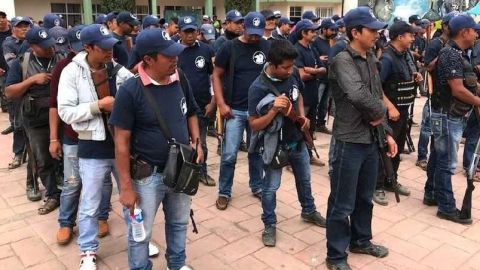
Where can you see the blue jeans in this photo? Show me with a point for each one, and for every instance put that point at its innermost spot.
(300, 163)
(323, 97)
(472, 132)
(93, 173)
(233, 136)
(425, 132)
(331, 155)
(72, 186)
(349, 214)
(176, 208)
(447, 133)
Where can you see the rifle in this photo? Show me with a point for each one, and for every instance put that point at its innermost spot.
(32, 167)
(409, 141)
(386, 162)
(466, 212)
(220, 129)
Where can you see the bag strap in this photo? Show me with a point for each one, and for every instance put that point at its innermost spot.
(112, 71)
(270, 85)
(24, 64)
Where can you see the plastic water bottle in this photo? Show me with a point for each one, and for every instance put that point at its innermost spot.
(138, 230)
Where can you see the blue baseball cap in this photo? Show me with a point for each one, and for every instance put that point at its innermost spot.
(328, 23)
(127, 17)
(187, 22)
(254, 23)
(233, 15)
(462, 21)
(309, 15)
(60, 35)
(112, 16)
(446, 19)
(98, 34)
(101, 18)
(284, 20)
(74, 38)
(156, 41)
(17, 20)
(39, 36)
(150, 21)
(340, 23)
(305, 24)
(50, 20)
(208, 31)
(363, 16)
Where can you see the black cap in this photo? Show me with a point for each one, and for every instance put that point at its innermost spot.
(127, 17)
(414, 19)
(400, 28)
(268, 14)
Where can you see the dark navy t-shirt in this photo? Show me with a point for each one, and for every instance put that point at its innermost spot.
(249, 61)
(292, 88)
(339, 46)
(433, 49)
(133, 112)
(307, 58)
(196, 63)
(120, 51)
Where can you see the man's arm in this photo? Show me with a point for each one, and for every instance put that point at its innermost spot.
(459, 91)
(128, 197)
(194, 132)
(55, 147)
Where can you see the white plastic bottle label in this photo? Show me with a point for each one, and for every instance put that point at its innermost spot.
(138, 230)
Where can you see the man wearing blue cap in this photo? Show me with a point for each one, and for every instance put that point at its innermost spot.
(357, 91)
(452, 100)
(101, 19)
(138, 133)
(150, 21)
(237, 64)
(283, 28)
(197, 63)
(5, 32)
(85, 98)
(125, 23)
(270, 24)
(60, 35)
(51, 20)
(29, 80)
(310, 15)
(341, 30)
(207, 34)
(431, 56)
(111, 20)
(234, 28)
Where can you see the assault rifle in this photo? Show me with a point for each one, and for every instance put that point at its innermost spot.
(386, 162)
(466, 211)
(409, 141)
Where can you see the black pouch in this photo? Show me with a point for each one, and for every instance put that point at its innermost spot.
(181, 172)
(139, 169)
(280, 159)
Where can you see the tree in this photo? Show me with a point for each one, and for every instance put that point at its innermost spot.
(244, 6)
(118, 5)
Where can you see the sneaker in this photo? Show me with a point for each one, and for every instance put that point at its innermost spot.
(16, 162)
(269, 236)
(379, 197)
(338, 266)
(315, 218)
(185, 267)
(323, 129)
(33, 195)
(152, 250)
(402, 190)
(422, 164)
(64, 235)
(207, 180)
(374, 250)
(103, 229)
(316, 162)
(88, 261)
(429, 202)
(222, 202)
(455, 217)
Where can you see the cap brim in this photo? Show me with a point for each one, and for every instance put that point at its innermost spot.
(174, 49)
(313, 27)
(187, 27)
(108, 43)
(209, 36)
(254, 31)
(76, 46)
(477, 27)
(47, 43)
(237, 19)
(17, 23)
(376, 25)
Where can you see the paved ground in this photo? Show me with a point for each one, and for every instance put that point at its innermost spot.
(231, 239)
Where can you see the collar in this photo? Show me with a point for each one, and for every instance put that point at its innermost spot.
(147, 80)
(355, 54)
(397, 52)
(196, 44)
(273, 79)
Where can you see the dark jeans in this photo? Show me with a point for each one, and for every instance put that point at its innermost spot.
(349, 214)
(300, 163)
(203, 124)
(399, 129)
(447, 133)
(323, 97)
(425, 131)
(471, 133)
(39, 138)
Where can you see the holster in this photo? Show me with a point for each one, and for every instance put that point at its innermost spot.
(139, 169)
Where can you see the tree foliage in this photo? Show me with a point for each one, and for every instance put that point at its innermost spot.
(244, 6)
(119, 5)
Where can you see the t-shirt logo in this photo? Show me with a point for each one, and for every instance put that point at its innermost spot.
(104, 30)
(294, 93)
(259, 58)
(165, 36)
(77, 34)
(183, 106)
(187, 20)
(256, 22)
(60, 40)
(200, 62)
(56, 22)
(43, 34)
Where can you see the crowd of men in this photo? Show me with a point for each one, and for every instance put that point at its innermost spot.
(88, 101)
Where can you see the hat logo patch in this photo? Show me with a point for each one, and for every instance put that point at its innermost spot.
(133, 16)
(104, 30)
(256, 21)
(209, 31)
(56, 22)
(60, 40)
(200, 62)
(77, 34)
(237, 13)
(187, 20)
(18, 18)
(183, 106)
(43, 34)
(259, 58)
(371, 13)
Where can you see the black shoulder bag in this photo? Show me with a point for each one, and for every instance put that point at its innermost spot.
(181, 171)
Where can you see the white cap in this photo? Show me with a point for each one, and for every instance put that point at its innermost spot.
(206, 17)
(277, 12)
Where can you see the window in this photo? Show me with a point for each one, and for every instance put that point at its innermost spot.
(141, 12)
(295, 13)
(71, 13)
(324, 12)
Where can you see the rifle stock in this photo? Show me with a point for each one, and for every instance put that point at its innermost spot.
(386, 162)
(466, 211)
(220, 129)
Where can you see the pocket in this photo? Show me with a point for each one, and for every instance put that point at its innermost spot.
(436, 126)
(144, 181)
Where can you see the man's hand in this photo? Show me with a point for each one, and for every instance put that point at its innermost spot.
(55, 150)
(106, 104)
(377, 122)
(392, 146)
(324, 58)
(306, 124)
(209, 109)
(281, 103)
(128, 198)
(200, 154)
(393, 114)
(2, 72)
(41, 78)
(417, 77)
(225, 111)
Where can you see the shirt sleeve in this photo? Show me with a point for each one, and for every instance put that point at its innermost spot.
(386, 67)
(254, 97)
(450, 65)
(223, 55)
(192, 106)
(300, 60)
(54, 84)
(123, 113)
(14, 74)
(432, 50)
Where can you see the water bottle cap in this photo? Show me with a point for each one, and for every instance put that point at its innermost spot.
(137, 211)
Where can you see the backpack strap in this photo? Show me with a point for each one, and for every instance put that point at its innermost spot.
(24, 64)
